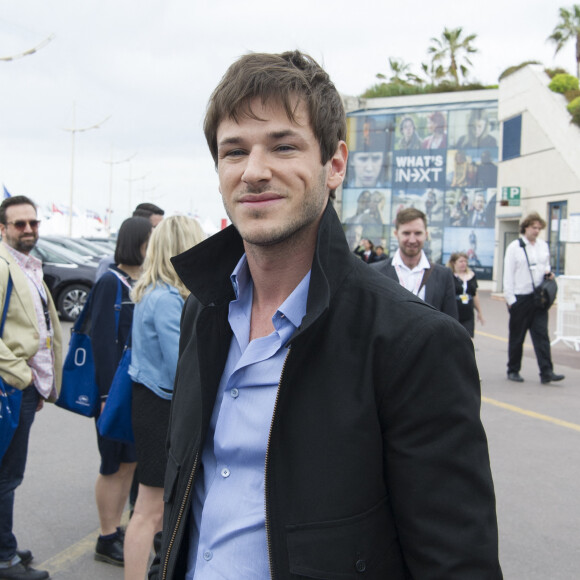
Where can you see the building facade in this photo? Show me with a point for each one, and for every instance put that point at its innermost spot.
(475, 162)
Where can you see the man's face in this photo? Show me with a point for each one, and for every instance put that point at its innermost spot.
(533, 231)
(479, 202)
(411, 237)
(22, 238)
(155, 219)
(480, 127)
(367, 167)
(272, 182)
(408, 129)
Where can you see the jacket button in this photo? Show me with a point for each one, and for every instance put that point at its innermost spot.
(360, 565)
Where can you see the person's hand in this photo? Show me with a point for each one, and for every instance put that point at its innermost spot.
(480, 318)
(40, 404)
(549, 276)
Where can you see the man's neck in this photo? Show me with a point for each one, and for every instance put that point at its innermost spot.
(411, 261)
(23, 253)
(275, 275)
(132, 271)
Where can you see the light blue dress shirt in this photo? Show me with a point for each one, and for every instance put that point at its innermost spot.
(228, 536)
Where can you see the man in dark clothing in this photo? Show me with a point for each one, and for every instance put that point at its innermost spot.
(310, 418)
(410, 266)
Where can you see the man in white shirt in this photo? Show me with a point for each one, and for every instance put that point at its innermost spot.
(409, 266)
(520, 275)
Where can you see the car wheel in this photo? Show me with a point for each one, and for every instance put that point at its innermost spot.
(71, 301)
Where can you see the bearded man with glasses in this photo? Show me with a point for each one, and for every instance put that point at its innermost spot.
(30, 360)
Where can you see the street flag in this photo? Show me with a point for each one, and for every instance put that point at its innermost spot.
(6, 192)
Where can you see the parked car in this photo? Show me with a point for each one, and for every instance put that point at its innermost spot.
(100, 249)
(89, 256)
(68, 280)
(108, 243)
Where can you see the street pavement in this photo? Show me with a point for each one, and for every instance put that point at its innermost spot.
(534, 441)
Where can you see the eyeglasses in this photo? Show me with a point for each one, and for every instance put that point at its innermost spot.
(21, 224)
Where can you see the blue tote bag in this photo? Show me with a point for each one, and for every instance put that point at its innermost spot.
(79, 392)
(115, 420)
(10, 397)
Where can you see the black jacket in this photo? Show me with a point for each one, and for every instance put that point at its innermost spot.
(439, 288)
(377, 464)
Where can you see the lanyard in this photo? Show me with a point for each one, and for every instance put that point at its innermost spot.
(401, 277)
(43, 298)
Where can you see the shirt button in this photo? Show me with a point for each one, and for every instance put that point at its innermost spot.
(225, 472)
(207, 555)
(360, 565)
(234, 393)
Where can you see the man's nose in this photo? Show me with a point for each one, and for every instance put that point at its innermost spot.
(257, 167)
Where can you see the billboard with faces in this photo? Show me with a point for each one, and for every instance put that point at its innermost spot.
(440, 159)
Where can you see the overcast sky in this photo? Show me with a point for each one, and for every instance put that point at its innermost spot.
(151, 65)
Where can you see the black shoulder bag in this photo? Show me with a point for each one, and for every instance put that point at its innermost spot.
(545, 293)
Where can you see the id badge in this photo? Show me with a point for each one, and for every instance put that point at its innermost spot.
(464, 298)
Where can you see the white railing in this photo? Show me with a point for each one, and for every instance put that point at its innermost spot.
(568, 319)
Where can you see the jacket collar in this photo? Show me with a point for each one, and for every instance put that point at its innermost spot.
(205, 269)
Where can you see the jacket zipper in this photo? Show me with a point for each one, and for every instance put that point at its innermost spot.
(179, 517)
(267, 518)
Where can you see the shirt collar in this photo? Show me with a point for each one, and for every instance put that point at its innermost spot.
(293, 308)
(422, 265)
(23, 260)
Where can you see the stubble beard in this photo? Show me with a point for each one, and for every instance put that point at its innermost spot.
(24, 245)
(287, 230)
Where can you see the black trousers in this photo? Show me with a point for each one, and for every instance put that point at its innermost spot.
(523, 317)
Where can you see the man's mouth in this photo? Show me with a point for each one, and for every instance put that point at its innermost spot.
(259, 198)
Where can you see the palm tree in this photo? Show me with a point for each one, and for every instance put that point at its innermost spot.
(400, 73)
(567, 29)
(452, 47)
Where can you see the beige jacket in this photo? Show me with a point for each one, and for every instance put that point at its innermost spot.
(21, 335)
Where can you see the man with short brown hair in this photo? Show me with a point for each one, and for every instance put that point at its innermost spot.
(526, 264)
(310, 418)
(410, 266)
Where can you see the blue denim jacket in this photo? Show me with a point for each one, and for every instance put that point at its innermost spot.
(156, 339)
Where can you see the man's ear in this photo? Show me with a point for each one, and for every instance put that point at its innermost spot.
(337, 166)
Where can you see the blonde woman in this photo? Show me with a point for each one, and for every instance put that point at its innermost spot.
(465, 291)
(159, 297)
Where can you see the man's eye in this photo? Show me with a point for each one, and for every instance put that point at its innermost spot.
(234, 153)
(285, 148)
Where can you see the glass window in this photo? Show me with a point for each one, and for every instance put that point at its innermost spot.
(512, 138)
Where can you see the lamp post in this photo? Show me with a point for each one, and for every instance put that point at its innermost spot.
(147, 193)
(131, 180)
(111, 163)
(27, 52)
(73, 131)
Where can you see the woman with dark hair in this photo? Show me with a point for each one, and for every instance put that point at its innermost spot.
(465, 291)
(109, 332)
(366, 251)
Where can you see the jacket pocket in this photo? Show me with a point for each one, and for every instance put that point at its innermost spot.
(362, 546)
(171, 475)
